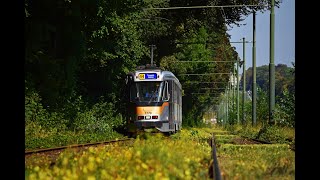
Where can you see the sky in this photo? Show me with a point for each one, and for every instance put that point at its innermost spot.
(284, 51)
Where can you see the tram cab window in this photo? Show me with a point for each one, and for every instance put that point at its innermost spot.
(149, 91)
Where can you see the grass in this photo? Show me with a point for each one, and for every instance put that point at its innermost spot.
(257, 161)
(184, 155)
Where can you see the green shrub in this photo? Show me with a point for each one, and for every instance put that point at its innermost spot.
(38, 121)
(284, 113)
(45, 129)
(101, 118)
(274, 134)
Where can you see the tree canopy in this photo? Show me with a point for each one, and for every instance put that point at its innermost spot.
(284, 79)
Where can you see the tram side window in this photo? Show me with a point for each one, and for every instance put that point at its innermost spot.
(173, 93)
(166, 94)
(180, 96)
(170, 88)
(176, 93)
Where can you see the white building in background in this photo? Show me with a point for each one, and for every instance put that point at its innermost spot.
(233, 79)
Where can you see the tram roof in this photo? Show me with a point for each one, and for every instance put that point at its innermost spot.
(153, 74)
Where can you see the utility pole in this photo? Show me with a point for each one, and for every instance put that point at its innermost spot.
(244, 78)
(225, 106)
(271, 67)
(152, 48)
(238, 59)
(224, 111)
(254, 84)
(227, 120)
(233, 89)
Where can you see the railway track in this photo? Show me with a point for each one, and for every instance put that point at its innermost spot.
(75, 146)
(215, 168)
(245, 150)
(258, 141)
(264, 142)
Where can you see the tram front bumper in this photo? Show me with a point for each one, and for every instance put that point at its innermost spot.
(151, 124)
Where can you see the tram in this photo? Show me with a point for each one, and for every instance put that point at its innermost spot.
(154, 100)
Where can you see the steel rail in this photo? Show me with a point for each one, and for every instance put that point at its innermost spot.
(75, 145)
(216, 170)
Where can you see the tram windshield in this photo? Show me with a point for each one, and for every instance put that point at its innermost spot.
(150, 91)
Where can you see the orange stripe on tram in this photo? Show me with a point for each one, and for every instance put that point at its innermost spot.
(151, 109)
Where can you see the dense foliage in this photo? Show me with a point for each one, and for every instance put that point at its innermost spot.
(284, 111)
(284, 79)
(78, 52)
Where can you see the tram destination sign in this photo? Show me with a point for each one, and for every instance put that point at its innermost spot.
(143, 76)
